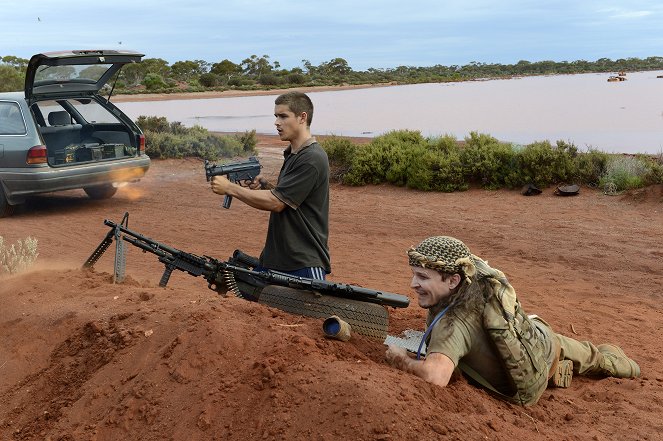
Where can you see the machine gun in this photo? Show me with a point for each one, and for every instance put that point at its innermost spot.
(223, 276)
(242, 173)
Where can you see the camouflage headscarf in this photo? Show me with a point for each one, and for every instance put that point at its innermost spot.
(445, 254)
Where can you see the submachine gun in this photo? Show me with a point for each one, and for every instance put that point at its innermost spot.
(362, 307)
(241, 172)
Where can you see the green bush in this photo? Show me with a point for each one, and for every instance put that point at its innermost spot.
(437, 170)
(654, 165)
(154, 82)
(174, 140)
(270, 80)
(623, 173)
(153, 124)
(386, 158)
(296, 78)
(490, 163)
(249, 140)
(543, 164)
(209, 80)
(590, 166)
(340, 152)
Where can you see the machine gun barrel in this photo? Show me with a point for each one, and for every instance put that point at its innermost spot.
(212, 270)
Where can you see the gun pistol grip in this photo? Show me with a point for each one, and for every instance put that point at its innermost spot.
(166, 275)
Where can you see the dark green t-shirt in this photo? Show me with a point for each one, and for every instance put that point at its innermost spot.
(297, 236)
(462, 337)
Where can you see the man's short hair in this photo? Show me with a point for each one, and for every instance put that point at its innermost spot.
(298, 103)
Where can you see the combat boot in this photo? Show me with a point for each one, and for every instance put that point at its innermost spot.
(562, 374)
(615, 362)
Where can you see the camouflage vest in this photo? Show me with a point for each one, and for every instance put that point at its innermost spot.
(516, 340)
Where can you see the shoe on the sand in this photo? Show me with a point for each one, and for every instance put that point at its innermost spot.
(563, 374)
(616, 363)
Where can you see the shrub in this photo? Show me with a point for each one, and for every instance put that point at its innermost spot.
(437, 170)
(174, 140)
(385, 158)
(623, 173)
(490, 163)
(18, 257)
(240, 82)
(590, 166)
(209, 80)
(543, 164)
(296, 78)
(248, 140)
(269, 80)
(153, 124)
(154, 81)
(654, 173)
(340, 152)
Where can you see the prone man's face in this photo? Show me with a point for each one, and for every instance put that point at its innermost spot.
(430, 286)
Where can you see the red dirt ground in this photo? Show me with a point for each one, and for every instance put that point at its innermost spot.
(83, 359)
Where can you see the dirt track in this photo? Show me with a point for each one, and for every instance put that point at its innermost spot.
(83, 359)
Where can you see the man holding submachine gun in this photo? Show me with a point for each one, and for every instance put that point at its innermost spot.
(298, 228)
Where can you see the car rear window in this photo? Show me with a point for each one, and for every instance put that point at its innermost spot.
(82, 73)
(90, 111)
(11, 119)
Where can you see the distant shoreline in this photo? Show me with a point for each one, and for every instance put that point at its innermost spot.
(141, 97)
(235, 93)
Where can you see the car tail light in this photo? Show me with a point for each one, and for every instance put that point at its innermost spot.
(37, 155)
(141, 143)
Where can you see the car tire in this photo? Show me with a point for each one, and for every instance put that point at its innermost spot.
(6, 209)
(105, 191)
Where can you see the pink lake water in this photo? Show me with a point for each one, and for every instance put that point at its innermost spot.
(584, 109)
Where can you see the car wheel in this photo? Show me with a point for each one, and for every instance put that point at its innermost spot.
(100, 191)
(6, 209)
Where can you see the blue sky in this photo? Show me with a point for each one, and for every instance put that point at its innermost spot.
(379, 34)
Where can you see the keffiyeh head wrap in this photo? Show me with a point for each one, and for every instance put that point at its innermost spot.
(445, 254)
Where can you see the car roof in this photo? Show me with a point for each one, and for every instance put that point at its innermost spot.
(14, 96)
(85, 72)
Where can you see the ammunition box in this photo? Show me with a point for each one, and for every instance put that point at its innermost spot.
(112, 151)
(88, 154)
(70, 153)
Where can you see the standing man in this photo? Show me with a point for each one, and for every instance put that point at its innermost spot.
(299, 203)
(468, 305)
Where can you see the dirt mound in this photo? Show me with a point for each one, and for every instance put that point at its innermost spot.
(652, 195)
(84, 359)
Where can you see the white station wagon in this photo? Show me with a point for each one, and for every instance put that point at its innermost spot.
(62, 134)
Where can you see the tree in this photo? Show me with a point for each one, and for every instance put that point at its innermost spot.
(310, 69)
(156, 66)
(11, 79)
(186, 70)
(257, 66)
(336, 66)
(19, 63)
(226, 69)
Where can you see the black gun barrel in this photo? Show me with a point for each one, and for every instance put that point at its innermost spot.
(325, 287)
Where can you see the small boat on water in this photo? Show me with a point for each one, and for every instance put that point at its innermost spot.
(616, 78)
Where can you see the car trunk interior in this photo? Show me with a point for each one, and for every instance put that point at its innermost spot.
(69, 143)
